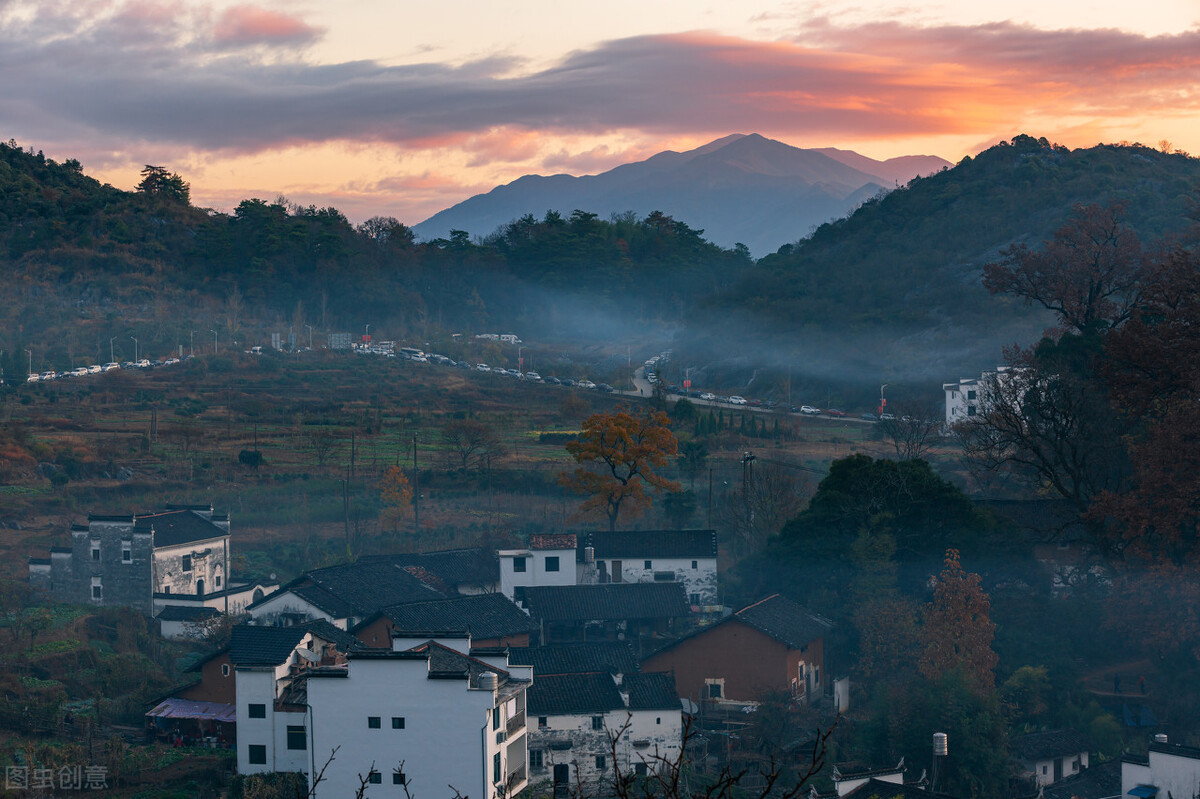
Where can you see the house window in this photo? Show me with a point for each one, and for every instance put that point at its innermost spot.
(552, 563)
(1045, 770)
(95, 552)
(296, 737)
(257, 754)
(536, 763)
(187, 563)
(166, 589)
(693, 599)
(716, 688)
(398, 778)
(658, 720)
(519, 594)
(597, 722)
(374, 722)
(970, 395)
(495, 718)
(496, 767)
(257, 711)
(375, 778)
(649, 564)
(639, 769)
(970, 410)
(600, 762)
(217, 581)
(518, 564)
(97, 588)
(695, 564)
(126, 555)
(224, 669)
(397, 722)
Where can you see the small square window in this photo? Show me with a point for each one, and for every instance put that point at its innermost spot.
(639, 769)
(649, 564)
(97, 592)
(257, 754)
(519, 594)
(695, 564)
(126, 556)
(518, 564)
(552, 563)
(374, 722)
(658, 720)
(96, 553)
(600, 762)
(715, 689)
(597, 722)
(398, 778)
(375, 778)
(224, 669)
(536, 761)
(296, 737)
(166, 589)
(217, 581)
(257, 711)
(693, 599)
(542, 721)
(397, 722)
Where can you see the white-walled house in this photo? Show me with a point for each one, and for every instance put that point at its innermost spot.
(969, 397)
(649, 556)
(431, 720)
(1051, 756)
(579, 721)
(1168, 770)
(548, 560)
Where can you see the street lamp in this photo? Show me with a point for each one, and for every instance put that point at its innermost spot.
(135, 350)
(214, 341)
(882, 401)
(193, 342)
(520, 361)
(111, 359)
(367, 335)
(30, 353)
(309, 336)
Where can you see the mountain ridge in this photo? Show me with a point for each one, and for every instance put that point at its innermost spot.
(741, 188)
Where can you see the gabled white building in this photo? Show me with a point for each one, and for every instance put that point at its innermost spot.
(969, 397)
(548, 560)
(1168, 770)
(653, 556)
(579, 722)
(432, 720)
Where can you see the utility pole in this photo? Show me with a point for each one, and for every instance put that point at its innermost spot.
(214, 341)
(29, 352)
(882, 401)
(309, 336)
(747, 479)
(111, 359)
(135, 350)
(193, 342)
(416, 491)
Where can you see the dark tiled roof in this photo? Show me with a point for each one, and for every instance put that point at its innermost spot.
(611, 602)
(599, 656)
(39, 561)
(365, 586)
(651, 691)
(1050, 744)
(447, 662)
(649, 544)
(319, 598)
(1094, 782)
(482, 615)
(455, 567)
(878, 789)
(187, 613)
(254, 645)
(542, 541)
(562, 694)
(176, 527)
(785, 621)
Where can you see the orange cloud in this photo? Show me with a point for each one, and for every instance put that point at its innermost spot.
(246, 24)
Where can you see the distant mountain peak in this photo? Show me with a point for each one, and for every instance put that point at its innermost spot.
(744, 187)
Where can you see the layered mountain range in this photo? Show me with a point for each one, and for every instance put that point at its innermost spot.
(740, 188)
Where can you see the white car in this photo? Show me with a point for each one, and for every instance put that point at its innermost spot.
(534, 376)
(108, 367)
(144, 363)
(483, 367)
(585, 383)
(79, 371)
(708, 396)
(736, 400)
(810, 410)
(95, 369)
(49, 375)
(33, 378)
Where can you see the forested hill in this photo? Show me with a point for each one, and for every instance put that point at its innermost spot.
(895, 290)
(84, 262)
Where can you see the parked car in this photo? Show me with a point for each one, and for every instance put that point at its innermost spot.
(834, 412)
(534, 376)
(554, 381)
(483, 367)
(585, 383)
(869, 417)
(605, 387)
(108, 367)
(886, 416)
(736, 400)
(95, 369)
(809, 410)
(33, 378)
(566, 381)
(709, 396)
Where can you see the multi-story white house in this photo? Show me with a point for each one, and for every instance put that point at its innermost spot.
(653, 556)
(585, 720)
(969, 397)
(548, 560)
(432, 720)
(1167, 770)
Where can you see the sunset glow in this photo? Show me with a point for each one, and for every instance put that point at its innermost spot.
(378, 109)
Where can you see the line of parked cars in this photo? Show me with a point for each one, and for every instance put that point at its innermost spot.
(95, 369)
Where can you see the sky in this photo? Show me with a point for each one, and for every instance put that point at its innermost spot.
(401, 108)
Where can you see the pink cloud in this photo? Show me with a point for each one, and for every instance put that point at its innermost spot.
(248, 25)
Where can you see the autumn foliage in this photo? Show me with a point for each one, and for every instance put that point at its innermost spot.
(621, 453)
(958, 629)
(395, 495)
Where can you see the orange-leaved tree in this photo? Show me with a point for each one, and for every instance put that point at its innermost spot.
(622, 452)
(958, 629)
(395, 495)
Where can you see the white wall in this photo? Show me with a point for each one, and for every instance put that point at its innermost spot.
(662, 730)
(701, 580)
(287, 602)
(1174, 773)
(535, 573)
(447, 738)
